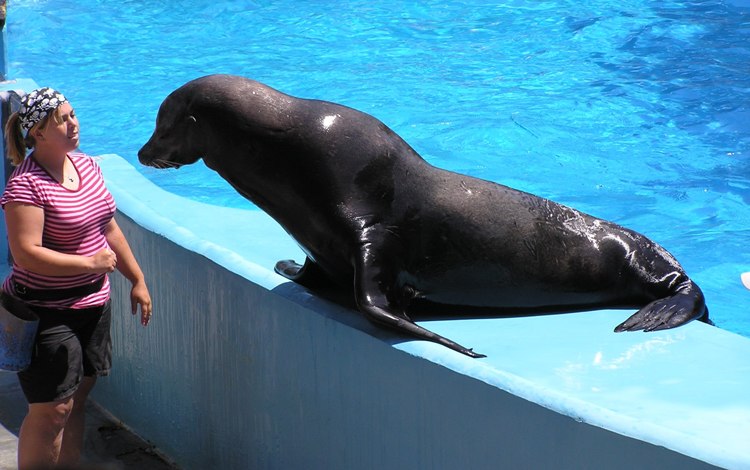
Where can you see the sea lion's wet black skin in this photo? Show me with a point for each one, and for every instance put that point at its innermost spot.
(373, 216)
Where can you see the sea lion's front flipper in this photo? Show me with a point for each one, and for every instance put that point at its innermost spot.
(309, 275)
(370, 287)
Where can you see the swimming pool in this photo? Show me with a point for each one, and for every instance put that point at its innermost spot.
(636, 111)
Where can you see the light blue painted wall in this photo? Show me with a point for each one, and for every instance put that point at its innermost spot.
(231, 375)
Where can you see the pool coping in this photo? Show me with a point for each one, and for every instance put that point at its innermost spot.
(683, 389)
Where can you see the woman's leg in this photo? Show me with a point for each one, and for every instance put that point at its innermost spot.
(41, 435)
(72, 438)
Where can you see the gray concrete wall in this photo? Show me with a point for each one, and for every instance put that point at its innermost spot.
(231, 375)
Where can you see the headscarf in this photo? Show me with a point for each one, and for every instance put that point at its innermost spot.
(36, 105)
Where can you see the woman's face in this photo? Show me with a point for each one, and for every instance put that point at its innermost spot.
(62, 136)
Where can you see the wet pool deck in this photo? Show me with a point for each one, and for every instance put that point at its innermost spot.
(108, 444)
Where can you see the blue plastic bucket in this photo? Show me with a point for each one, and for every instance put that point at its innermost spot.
(18, 327)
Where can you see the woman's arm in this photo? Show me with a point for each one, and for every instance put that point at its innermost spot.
(25, 223)
(128, 266)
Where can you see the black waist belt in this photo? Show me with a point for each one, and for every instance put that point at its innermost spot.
(28, 293)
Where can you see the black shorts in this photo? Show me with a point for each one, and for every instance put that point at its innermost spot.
(70, 344)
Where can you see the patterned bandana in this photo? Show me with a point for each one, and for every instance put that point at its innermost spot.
(36, 105)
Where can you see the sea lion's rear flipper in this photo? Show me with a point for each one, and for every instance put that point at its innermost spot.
(686, 305)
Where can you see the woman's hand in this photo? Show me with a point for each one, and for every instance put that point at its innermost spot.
(128, 266)
(139, 296)
(103, 261)
(25, 224)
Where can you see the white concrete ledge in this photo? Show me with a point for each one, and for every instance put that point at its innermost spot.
(242, 369)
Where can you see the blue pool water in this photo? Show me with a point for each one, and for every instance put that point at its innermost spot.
(634, 111)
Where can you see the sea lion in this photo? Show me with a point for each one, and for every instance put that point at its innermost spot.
(374, 217)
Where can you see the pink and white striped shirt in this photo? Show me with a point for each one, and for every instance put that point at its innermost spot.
(74, 222)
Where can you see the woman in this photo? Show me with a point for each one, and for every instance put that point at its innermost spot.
(64, 240)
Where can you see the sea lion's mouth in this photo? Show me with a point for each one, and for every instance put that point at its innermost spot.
(162, 164)
(157, 159)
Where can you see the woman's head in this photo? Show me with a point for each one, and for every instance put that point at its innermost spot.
(37, 108)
